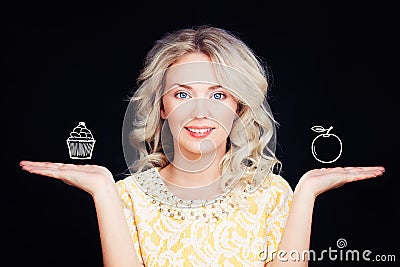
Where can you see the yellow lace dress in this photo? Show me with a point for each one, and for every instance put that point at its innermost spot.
(204, 233)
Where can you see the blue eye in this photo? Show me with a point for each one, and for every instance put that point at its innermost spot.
(219, 96)
(181, 95)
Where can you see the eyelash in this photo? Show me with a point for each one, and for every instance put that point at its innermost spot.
(223, 95)
(179, 93)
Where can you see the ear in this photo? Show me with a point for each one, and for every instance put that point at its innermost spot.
(239, 110)
(162, 110)
(162, 113)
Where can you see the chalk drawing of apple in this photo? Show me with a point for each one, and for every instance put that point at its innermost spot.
(326, 144)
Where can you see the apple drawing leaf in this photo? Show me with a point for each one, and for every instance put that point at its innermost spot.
(318, 129)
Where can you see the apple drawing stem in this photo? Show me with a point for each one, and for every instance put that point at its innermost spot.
(327, 131)
(324, 133)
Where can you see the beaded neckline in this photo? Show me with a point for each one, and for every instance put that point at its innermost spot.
(170, 205)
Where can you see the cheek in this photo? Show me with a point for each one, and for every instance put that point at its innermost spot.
(166, 108)
(225, 114)
(176, 117)
(173, 112)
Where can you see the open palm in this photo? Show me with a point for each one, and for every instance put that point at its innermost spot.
(86, 177)
(318, 181)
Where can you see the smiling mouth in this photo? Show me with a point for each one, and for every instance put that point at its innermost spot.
(199, 132)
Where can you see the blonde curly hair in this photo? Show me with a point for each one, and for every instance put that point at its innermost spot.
(250, 154)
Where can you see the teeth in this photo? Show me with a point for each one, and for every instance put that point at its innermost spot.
(199, 130)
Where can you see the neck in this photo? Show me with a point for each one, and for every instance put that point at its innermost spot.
(200, 184)
(194, 171)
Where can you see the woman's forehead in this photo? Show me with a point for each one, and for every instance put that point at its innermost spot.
(189, 73)
(192, 57)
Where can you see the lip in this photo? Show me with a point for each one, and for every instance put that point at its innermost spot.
(199, 131)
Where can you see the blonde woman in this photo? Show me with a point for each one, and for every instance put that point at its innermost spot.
(205, 190)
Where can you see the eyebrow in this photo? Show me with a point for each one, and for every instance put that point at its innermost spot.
(187, 86)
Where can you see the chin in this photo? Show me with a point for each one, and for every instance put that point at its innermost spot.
(199, 148)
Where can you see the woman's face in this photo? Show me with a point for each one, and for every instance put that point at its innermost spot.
(200, 113)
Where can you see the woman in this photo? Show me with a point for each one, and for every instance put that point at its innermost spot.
(203, 191)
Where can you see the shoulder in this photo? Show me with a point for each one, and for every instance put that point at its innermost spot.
(124, 183)
(276, 191)
(137, 181)
(276, 182)
(131, 188)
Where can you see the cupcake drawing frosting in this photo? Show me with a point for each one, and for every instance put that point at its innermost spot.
(80, 142)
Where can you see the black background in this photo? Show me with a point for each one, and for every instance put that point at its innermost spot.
(331, 65)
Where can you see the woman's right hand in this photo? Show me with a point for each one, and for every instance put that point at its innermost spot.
(89, 178)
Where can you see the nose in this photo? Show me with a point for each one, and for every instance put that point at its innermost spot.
(201, 108)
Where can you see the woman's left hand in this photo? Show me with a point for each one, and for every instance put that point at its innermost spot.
(321, 180)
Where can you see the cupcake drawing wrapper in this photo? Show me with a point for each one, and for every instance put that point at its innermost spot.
(80, 142)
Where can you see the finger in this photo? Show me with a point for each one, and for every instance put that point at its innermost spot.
(344, 170)
(368, 172)
(360, 175)
(370, 168)
(29, 167)
(39, 164)
(58, 173)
